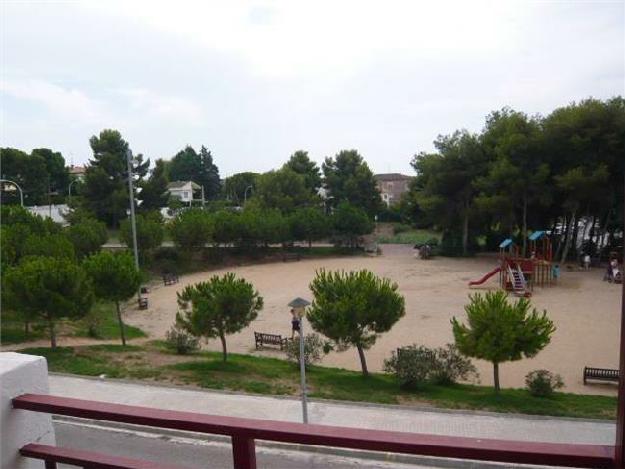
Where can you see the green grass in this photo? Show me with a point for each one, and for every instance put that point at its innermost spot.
(107, 326)
(278, 377)
(413, 236)
(12, 332)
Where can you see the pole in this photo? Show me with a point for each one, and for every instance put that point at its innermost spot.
(203, 197)
(620, 411)
(18, 188)
(302, 370)
(133, 223)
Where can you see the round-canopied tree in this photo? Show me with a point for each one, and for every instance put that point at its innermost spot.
(49, 288)
(150, 233)
(218, 307)
(115, 278)
(87, 235)
(500, 331)
(353, 308)
(191, 229)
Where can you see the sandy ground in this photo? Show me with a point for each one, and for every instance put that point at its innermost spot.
(585, 310)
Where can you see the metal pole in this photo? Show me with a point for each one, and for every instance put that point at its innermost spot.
(620, 411)
(18, 188)
(302, 370)
(203, 197)
(131, 196)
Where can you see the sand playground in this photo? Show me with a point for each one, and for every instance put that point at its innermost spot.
(585, 309)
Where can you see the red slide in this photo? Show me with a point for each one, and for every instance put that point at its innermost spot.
(485, 277)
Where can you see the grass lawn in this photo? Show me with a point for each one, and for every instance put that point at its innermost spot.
(105, 327)
(274, 376)
(411, 236)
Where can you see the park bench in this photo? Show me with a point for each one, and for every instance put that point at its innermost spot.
(52, 455)
(143, 303)
(170, 278)
(600, 374)
(291, 256)
(261, 339)
(145, 290)
(428, 355)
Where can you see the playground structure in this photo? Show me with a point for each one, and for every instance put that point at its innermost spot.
(521, 274)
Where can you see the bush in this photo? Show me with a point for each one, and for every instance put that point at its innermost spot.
(542, 383)
(412, 365)
(182, 342)
(314, 347)
(450, 366)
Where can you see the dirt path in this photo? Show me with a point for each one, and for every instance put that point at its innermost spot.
(585, 310)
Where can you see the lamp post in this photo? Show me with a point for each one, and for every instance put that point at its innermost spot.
(298, 306)
(18, 188)
(131, 196)
(69, 188)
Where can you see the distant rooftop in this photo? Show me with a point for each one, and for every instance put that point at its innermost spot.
(181, 184)
(391, 177)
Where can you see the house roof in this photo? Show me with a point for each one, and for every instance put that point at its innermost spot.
(391, 177)
(181, 184)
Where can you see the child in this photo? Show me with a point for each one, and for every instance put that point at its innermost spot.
(294, 323)
(587, 262)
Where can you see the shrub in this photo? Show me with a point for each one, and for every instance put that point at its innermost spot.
(542, 383)
(411, 365)
(182, 342)
(314, 347)
(450, 366)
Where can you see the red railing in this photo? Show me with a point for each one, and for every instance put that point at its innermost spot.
(244, 432)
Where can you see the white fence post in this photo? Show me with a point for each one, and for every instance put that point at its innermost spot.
(22, 374)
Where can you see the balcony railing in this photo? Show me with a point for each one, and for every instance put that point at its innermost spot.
(244, 433)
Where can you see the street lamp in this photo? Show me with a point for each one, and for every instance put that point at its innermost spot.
(298, 307)
(131, 196)
(18, 188)
(69, 188)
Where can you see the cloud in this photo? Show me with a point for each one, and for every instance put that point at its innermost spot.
(160, 107)
(60, 101)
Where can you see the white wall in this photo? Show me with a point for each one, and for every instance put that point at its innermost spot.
(22, 374)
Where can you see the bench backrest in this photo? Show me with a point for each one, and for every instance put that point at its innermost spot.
(269, 338)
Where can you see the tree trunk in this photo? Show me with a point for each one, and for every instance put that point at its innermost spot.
(26, 328)
(496, 376)
(52, 332)
(563, 235)
(224, 349)
(569, 237)
(363, 360)
(309, 243)
(121, 323)
(524, 233)
(465, 233)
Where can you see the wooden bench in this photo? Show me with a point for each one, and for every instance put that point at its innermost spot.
(55, 454)
(261, 339)
(143, 303)
(170, 278)
(600, 374)
(291, 256)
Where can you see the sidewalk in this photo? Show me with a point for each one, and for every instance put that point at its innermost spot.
(379, 417)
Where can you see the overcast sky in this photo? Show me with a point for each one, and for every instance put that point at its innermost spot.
(255, 81)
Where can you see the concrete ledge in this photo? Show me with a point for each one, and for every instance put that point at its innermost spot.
(21, 374)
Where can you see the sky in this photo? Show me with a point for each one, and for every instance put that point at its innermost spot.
(255, 81)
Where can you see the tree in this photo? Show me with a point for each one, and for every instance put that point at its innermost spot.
(218, 307)
(87, 235)
(49, 245)
(444, 187)
(240, 186)
(350, 223)
(150, 233)
(188, 165)
(300, 163)
(349, 179)
(29, 171)
(154, 194)
(49, 288)
(191, 229)
(115, 278)
(500, 331)
(354, 308)
(284, 190)
(310, 224)
(106, 179)
(58, 174)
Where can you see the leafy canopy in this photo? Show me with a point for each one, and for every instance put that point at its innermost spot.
(115, 277)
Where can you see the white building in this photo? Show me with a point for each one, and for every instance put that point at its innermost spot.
(183, 190)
